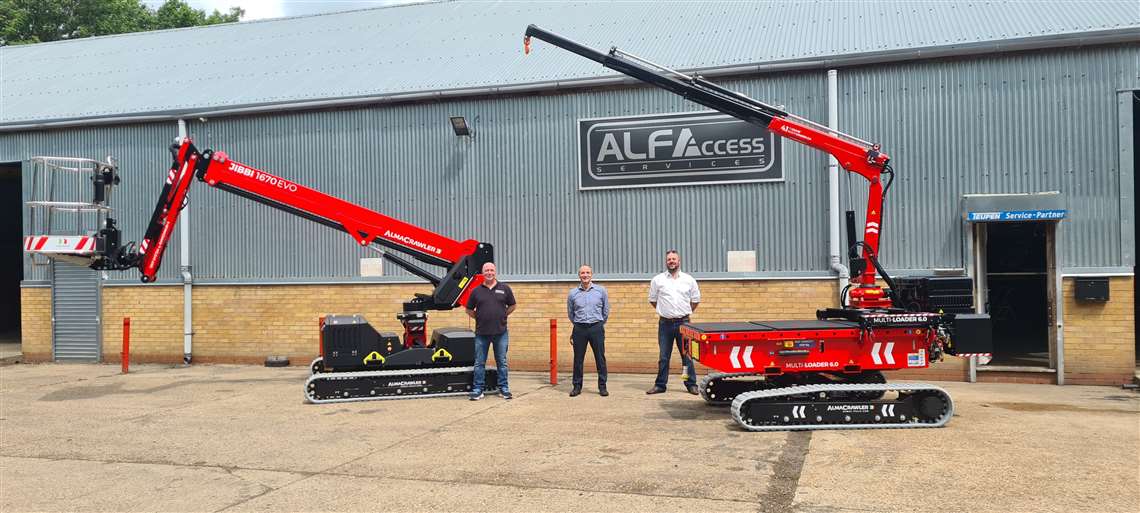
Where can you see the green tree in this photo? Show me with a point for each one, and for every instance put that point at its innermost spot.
(38, 21)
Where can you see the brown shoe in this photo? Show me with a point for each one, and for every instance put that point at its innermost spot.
(655, 390)
(693, 390)
(603, 392)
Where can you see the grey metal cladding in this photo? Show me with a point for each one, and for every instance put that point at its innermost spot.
(440, 47)
(514, 185)
(141, 152)
(1001, 123)
(1010, 123)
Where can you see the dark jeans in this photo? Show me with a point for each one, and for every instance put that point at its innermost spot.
(499, 344)
(595, 336)
(668, 335)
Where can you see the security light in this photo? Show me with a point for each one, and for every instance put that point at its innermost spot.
(459, 125)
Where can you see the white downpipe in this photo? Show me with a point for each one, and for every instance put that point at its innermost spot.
(187, 278)
(833, 183)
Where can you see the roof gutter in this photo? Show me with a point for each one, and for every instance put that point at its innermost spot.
(1123, 35)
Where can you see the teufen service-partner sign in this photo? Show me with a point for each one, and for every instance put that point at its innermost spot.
(675, 149)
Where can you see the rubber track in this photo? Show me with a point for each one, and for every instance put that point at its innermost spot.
(703, 386)
(776, 394)
(374, 374)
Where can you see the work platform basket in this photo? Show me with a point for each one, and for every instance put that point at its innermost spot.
(69, 205)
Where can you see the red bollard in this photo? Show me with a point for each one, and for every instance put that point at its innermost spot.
(553, 351)
(125, 356)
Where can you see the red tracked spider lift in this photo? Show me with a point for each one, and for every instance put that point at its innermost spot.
(357, 363)
(824, 373)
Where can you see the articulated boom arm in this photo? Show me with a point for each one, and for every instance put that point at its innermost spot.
(854, 155)
(464, 260)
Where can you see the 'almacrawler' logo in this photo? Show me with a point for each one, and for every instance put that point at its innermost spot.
(412, 242)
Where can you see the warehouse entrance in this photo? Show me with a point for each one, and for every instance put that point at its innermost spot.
(1019, 292)
(11, 254)
(1013, 247)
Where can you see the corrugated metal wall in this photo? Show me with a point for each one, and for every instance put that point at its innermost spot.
(1013, 123)
(141, 152)
(514, 185)
(1028, 122)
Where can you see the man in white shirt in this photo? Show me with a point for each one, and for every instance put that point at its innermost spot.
(675, 295)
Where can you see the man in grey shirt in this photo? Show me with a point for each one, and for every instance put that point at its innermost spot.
(588, 307)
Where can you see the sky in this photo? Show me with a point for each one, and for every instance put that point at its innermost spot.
(262, 9)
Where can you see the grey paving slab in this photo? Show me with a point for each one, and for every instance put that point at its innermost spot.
(1036, 448)
(352, 493)
(241, 438)
(42, 484)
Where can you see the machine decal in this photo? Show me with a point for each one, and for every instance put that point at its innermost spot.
(374, 357)
(441, 354)
(888, 410)
(916, 359)
(888, 353)
(734, 357)
(407, 383)
(694, 350)
(810, 365)
(412, 242)
(798, 412)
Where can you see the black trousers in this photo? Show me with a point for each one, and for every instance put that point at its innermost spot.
(595, 336)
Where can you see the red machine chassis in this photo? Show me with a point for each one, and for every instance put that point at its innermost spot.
(778, 347)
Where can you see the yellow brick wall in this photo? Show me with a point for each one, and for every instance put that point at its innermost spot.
(156, 323)
(35, 323)
(1100, 344)
(244, 324)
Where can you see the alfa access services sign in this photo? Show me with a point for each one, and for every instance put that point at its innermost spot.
(686, 148)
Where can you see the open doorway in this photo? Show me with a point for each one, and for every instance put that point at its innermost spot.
(1017, 276)
(11, 255)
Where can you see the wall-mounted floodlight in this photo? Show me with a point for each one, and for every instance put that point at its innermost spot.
(460, 126)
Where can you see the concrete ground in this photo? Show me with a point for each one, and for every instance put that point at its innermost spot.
(10, 352)
(235, 438)
(10, 349)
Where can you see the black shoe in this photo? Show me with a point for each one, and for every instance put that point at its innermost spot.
(603, 392)
(655, 390)
(693, 390)
(575, 391)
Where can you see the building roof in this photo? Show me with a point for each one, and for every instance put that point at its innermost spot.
(468, 48)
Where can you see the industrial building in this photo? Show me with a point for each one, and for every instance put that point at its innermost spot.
(1011, 128)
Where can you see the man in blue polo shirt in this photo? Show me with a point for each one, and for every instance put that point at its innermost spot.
(588, 307)
(490, 304)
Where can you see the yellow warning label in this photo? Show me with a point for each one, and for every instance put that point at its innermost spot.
(694, 350)
(463, 282)
(374, 356)
(441, 354)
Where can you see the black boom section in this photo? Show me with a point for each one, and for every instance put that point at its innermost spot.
(692, 88)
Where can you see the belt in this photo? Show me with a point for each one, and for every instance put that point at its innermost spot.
(678, 319)
(587, 324)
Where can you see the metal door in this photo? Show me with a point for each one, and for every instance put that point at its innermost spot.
(76, 330)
